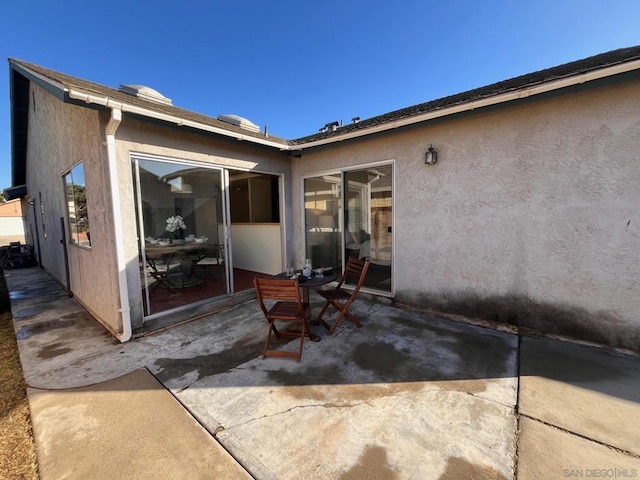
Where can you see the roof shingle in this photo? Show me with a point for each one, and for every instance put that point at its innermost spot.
(570, 69)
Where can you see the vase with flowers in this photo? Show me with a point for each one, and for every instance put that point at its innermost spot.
(176, 225)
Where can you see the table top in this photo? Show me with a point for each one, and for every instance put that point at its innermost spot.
(185, 247)
(311, 282)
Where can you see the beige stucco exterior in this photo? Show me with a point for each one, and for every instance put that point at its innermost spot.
(60, 136)
(529, 217)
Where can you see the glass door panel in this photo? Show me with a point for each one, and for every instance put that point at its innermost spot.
(181, 222)
(322, 207)
(368, 222)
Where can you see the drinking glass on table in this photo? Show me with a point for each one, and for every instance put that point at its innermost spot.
(290, 272)
(306, 271)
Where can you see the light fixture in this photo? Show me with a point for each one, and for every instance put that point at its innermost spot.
(431, 156)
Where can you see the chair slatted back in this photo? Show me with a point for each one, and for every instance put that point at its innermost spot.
(355, 270)
(278, 291)
(342, 299)
(288, 307)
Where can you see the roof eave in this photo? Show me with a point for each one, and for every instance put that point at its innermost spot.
(50, 85)
(70, 92)
(500, 98)
(105, 101)
(65, 92)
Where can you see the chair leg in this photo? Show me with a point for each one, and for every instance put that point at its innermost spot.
(275, 330)
(276, 353)
(338, 320)
(266, 344)
(350, 317)
(162, 281)
(302, 334)
(344, 312)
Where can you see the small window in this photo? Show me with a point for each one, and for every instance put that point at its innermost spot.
(77, 207)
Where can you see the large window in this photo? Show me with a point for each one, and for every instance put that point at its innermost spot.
(79, 232)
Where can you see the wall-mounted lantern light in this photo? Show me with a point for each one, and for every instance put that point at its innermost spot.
(431, 157)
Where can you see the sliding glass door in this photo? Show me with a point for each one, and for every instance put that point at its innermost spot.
(204, 231)
(322, 207)
(368, 220)
(351, 214)
(181, 222)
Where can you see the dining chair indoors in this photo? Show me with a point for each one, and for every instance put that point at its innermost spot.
(285, 305)
(161, 267)
(340, 298)
(210, 259)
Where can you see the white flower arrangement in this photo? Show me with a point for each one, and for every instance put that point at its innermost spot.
(176, 225)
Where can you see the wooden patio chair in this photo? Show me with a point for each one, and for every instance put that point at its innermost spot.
(341, 298)
(288, 307)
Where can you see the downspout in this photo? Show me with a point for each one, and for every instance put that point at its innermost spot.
(125, 311)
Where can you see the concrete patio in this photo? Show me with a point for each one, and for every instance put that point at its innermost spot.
(410, 396)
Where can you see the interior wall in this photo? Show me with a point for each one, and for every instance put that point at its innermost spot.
(257, 247)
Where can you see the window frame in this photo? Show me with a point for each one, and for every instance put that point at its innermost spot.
(72, 206)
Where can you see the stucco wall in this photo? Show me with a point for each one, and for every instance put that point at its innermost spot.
(529, 217)
(60, 136)
(139, 137)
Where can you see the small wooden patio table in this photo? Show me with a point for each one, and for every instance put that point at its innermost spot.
(310, 282)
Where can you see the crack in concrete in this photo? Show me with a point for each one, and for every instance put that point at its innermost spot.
(510, 407)
(297, 407)
(357, 404)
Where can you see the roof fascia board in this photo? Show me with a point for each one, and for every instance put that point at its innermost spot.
(523, 92)
(60, 90)
(53, 87)
(88, 97)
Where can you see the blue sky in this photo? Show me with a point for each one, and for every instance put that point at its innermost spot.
(295, 65)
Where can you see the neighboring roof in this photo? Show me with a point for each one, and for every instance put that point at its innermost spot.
(12, 193)
(548, 76)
